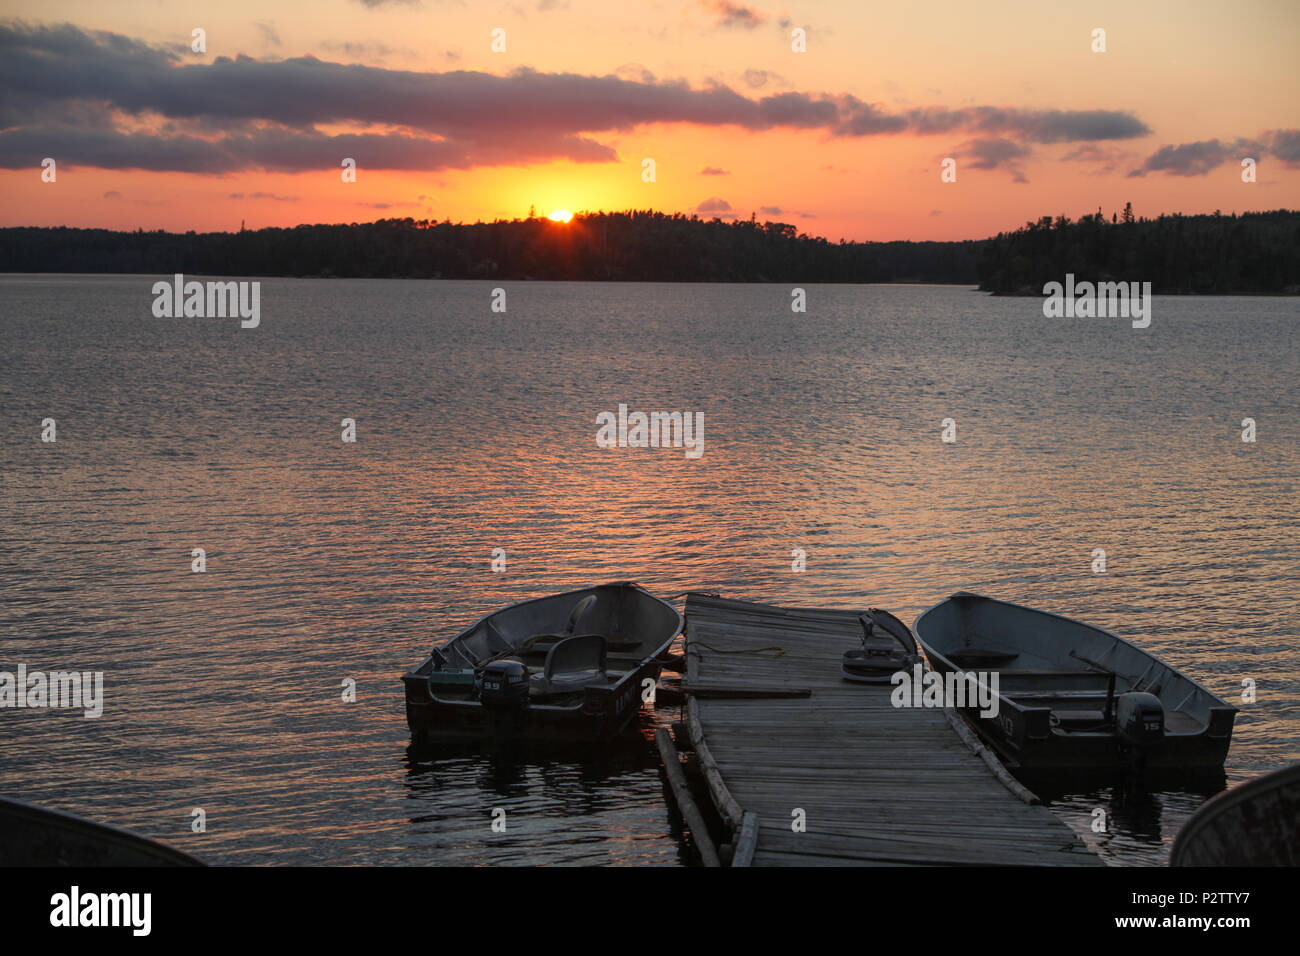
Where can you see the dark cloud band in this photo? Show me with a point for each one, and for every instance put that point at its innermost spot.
(238, 113)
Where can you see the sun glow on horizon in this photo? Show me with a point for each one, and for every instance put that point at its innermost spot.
(560, 215)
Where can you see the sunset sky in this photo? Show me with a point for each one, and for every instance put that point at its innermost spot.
(844, 140)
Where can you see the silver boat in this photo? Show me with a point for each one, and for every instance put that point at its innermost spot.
(572, 666)
(1070, 695)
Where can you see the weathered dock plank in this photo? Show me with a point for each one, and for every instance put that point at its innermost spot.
(876, 784)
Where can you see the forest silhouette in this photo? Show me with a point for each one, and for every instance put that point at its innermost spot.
(1247, 253)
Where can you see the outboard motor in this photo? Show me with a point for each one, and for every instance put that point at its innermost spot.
(503, 691)
(1139, 719)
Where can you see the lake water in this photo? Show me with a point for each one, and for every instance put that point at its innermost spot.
(476, 430)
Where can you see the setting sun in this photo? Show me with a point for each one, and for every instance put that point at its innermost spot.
(560, 215)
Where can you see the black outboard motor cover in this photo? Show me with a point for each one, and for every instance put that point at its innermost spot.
(1139, 718)
(503, 684)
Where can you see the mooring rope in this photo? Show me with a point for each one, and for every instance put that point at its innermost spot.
(739, 650)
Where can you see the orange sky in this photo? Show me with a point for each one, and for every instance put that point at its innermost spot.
(1217, 79)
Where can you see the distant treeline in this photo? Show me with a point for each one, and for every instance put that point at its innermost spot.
(1256, 252)
(646, 246)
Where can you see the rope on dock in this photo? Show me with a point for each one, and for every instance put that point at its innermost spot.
(778, 651)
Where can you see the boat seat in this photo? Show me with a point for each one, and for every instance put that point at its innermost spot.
(572, 664)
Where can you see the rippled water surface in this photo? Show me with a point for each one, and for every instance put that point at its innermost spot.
(328, 561)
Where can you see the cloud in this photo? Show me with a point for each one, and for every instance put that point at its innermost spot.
(714, 171)
(714, 204)
(727, 14)
(634, 72)
(1195, 159)
(109, 101)
(362, 50)
(757, 79)
(1104, 159)
(997, 153)
(1285, 145)
(1094, 153)
(1204, 156)
(778, 211)
(277, 150)
(268, 32)
(1035, 126)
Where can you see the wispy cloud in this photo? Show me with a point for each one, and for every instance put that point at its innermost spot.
(268, 32)
(264, 195)
(727, 14)
(757, 79)
(778, 211)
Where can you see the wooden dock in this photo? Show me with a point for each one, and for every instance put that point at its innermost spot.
(876, 784)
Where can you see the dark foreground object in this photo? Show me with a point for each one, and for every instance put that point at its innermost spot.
(570, 666)
(35, 836)
(1073, 696)
(1256, 824)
